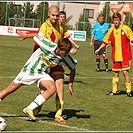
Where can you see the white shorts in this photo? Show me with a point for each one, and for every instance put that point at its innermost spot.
(27, 79)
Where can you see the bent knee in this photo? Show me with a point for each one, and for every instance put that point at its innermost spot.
(52, 89)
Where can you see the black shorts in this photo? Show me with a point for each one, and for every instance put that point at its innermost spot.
(97, 44)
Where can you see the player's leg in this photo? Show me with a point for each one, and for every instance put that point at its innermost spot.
(8, 90)
(127, 82)
(115, 81)
(59, 98)
(98, 62)
(127, 77)
(58, 75)
(50, 89)
(96, 46)
(38, 109)
(105, 58)
(116, 69)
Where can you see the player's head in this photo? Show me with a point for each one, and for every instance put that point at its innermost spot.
(64, 47)
(116, 19)
(62, 16)
(53, 14)
(101, 18)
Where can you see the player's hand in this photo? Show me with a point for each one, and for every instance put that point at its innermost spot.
(77, 46)
(91, 45)
(107, 45)
(73, 51)
(21, 35)
(96, 52)
(71, 89)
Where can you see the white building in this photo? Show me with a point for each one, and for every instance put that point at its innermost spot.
(77, 8)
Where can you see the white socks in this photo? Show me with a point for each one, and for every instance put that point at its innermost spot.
(39, 100)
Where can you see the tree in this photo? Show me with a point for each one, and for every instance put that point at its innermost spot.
(83, 24)
(12, 10)
(28, 10)
(128, 19)
(41, 11)
(2, 13)
(106, 12)
(9, 10)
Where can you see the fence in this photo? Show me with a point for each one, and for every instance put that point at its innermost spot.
(23, 22)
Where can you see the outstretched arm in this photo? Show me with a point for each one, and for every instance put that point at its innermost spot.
(23, 35)
(73, 50)
(77, 46)
(72, 76)
(71, 64)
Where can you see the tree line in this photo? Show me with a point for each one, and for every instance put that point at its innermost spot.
(12, 10)
(26, 11)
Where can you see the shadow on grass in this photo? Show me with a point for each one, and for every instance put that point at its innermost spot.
(124, 92)
(121, 92)
(69, 113)
(49, 115)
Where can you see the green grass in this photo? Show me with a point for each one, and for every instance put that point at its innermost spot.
(89, 109)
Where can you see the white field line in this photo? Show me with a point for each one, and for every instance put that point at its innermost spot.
(50, 123)
(7, 77)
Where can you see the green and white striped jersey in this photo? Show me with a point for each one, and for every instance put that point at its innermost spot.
(44, 57)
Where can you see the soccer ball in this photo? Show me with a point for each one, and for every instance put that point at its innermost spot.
(2, 124)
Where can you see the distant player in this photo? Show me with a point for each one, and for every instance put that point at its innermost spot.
(120, 36)
(99, 30)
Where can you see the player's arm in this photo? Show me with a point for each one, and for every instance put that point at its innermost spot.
(103, 45)
(71, 64)
(23, 35)
(73, 50)
(92, 36)
(44, 43)
(77, 46)
(91, 40)
(71, 80)
(67, 35)
(105, 41)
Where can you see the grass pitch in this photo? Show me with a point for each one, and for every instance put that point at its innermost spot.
(89, 109)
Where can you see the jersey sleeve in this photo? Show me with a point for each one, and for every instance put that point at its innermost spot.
(69, 62)
(106, 39)
(64, 31)
(67, 35)
(44, 43)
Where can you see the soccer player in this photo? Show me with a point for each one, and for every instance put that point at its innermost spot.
(36, 70)
(63, 28)
(120, 36)
(98, 32)
(51, 29)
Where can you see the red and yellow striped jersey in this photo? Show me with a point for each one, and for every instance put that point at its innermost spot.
(120, 39)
